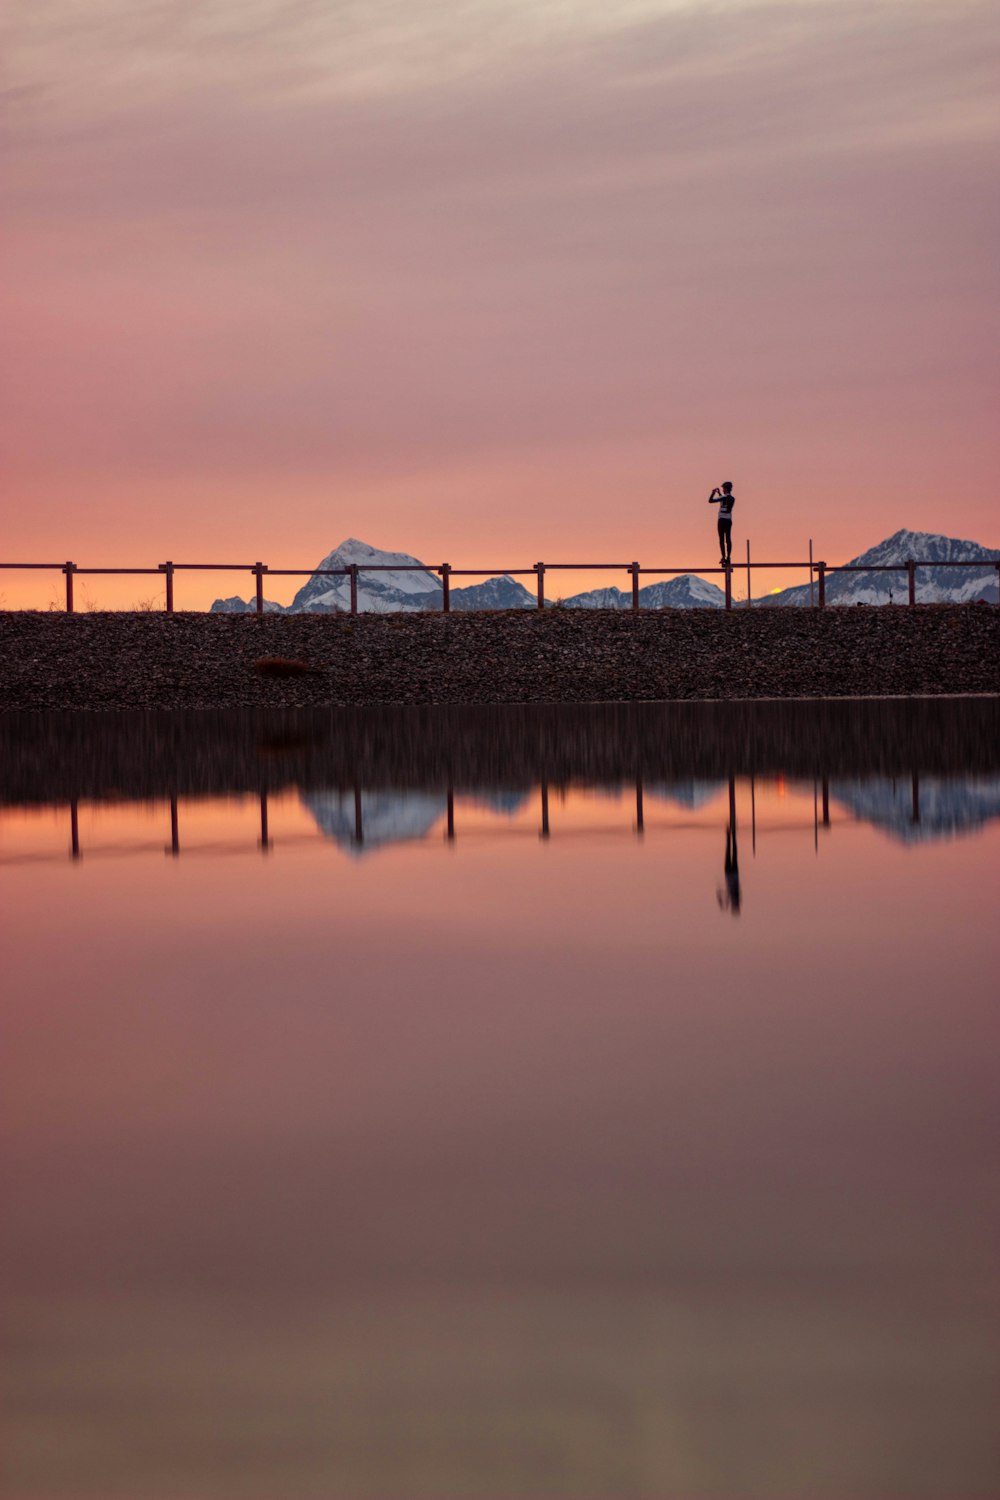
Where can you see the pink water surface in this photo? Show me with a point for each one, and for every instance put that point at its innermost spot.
(500, 1166)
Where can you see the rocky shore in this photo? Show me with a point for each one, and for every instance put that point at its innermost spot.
(183, 661)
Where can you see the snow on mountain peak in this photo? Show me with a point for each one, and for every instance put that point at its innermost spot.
(937, 585)
(928, 546)
(389, 590)
(352, 550)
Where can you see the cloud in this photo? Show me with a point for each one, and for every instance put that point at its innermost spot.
(249, 232)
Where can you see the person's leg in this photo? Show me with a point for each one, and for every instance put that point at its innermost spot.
(729, 541)
(722, 542)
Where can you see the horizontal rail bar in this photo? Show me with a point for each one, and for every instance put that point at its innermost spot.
(365, 568)
(875, 567)
(902, 567)
(755, 566)
(981, 563)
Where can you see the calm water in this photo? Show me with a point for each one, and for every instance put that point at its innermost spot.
(567, 1106)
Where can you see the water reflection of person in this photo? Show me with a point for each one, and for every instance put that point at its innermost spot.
(729, 896)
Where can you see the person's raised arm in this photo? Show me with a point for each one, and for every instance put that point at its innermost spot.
(715, 496)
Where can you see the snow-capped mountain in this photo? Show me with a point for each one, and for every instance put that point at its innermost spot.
(238, 606)
(934, 585)
(377, 592)
(385, 592)
(382, 593)
(420, 589)
(492, 593)
(684, 592)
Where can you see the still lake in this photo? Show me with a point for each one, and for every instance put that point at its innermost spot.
(510, 1103)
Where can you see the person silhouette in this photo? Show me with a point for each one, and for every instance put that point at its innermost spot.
(725, 500)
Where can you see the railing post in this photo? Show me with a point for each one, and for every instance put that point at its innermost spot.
(446, 588)
(812, 596)
(821, 570)
(353, 568)
(540, 570)
(998, 584)
(634, 570)
(729, 585)
(911, 580)
(69, 569)
(167, 569)
(749, 604)
(258, 572)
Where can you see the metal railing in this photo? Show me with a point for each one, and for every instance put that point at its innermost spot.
(817, 571)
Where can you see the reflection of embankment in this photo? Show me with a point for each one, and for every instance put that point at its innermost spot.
(57, 757)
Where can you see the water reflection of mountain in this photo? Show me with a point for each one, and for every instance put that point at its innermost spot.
(689, 794)
(507, 802)
(934, 807)
(378, 817)
(371, 820)
(914, 811)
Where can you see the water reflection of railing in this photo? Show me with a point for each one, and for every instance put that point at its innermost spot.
(639, 825)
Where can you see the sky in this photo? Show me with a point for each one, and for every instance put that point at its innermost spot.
(493, 280)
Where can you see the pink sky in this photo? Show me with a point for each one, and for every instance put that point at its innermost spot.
(496, 281)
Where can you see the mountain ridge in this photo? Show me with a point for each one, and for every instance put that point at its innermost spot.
(411, 585)
(933, 586)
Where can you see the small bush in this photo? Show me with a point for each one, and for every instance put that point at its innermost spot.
(284, 666)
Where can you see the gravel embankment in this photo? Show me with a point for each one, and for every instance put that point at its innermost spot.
(124, 661)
